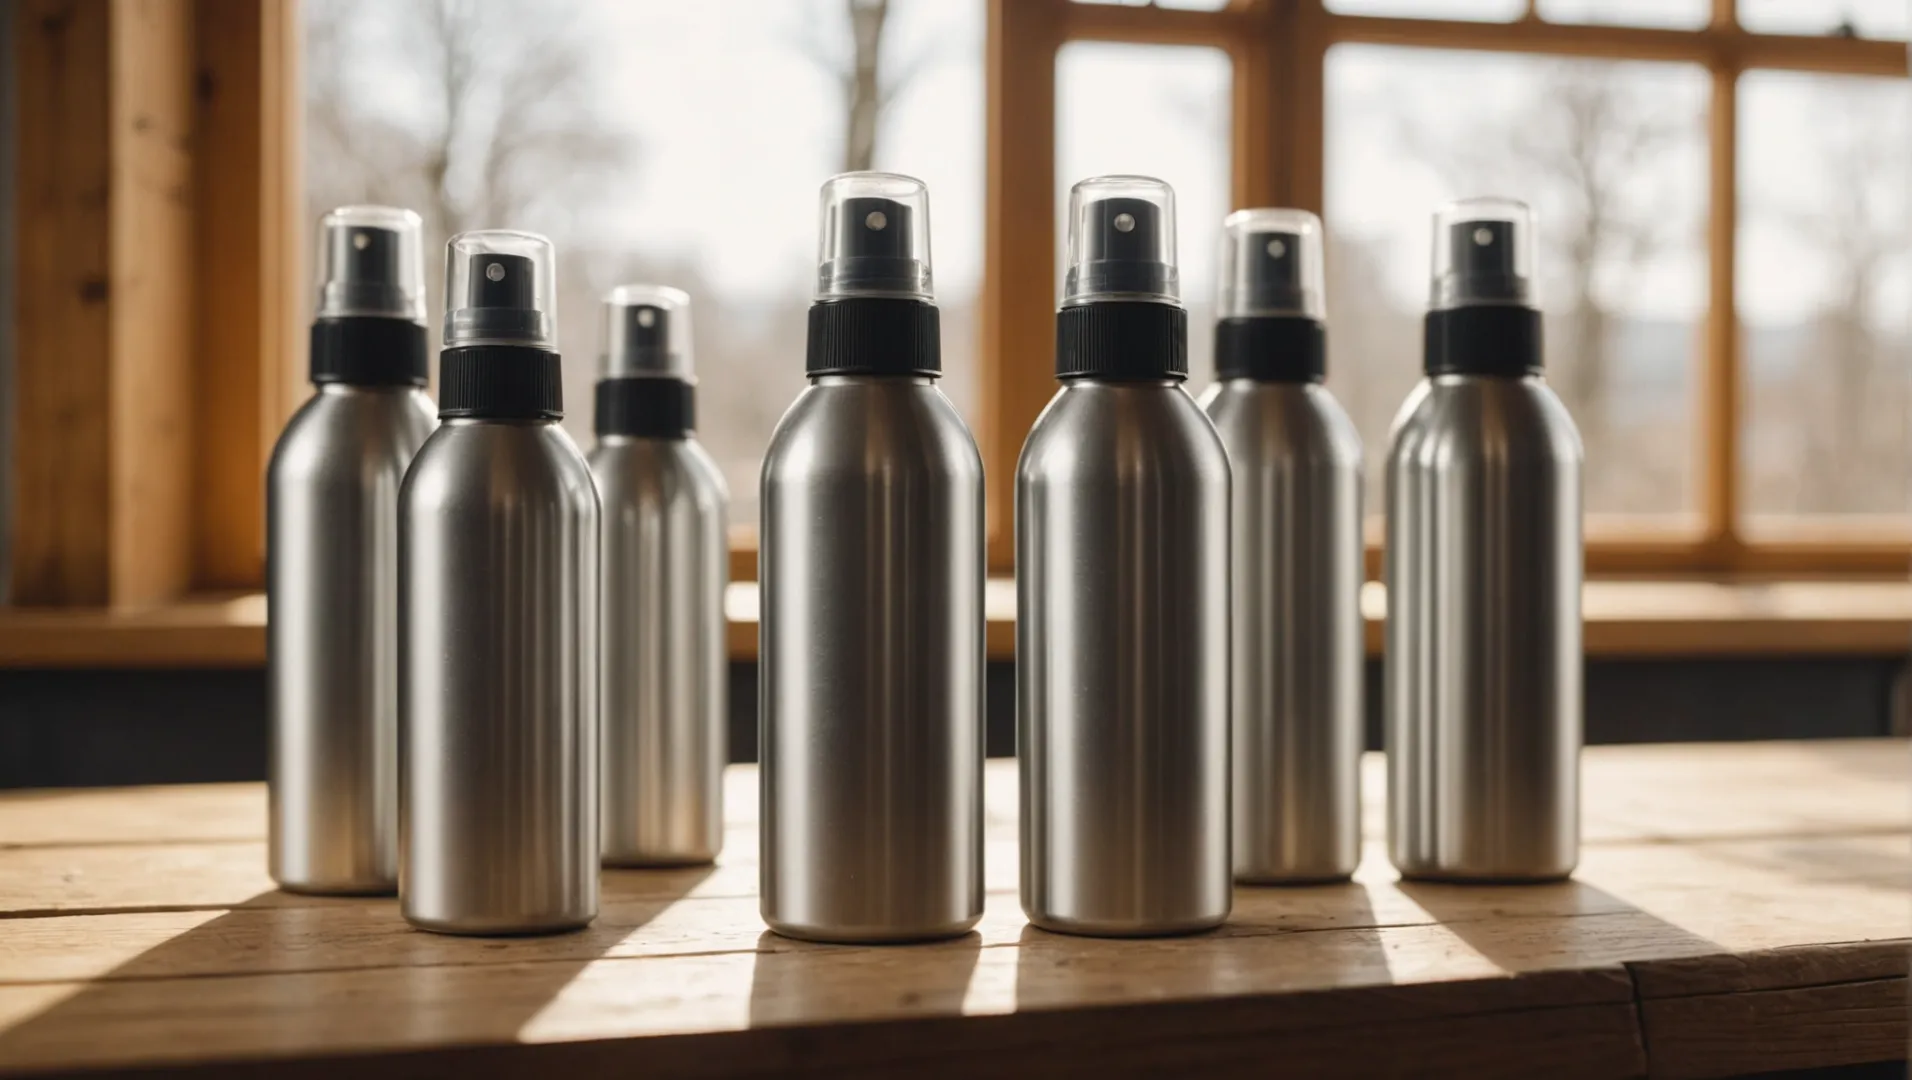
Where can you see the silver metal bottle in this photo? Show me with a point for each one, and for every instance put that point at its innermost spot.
(332, 561)
(666, 561)
(872, 624)
(1122, 598)
(498, 584)
(1295, 459)
(1483, 697)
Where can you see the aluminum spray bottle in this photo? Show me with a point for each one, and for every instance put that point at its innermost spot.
(1296, 597)
(666, 562)
(872, 623)
(1122, 597)
(1483, 576)
(332, 561)
(498, 586)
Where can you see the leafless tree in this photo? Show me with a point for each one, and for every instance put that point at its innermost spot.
(1849, 388)
(476, 115)
(1587, 139)
(868, 75)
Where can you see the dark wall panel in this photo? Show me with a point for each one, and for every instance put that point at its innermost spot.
(71, 728)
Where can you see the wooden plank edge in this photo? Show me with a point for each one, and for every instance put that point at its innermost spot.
(1762, 1031)
(1584, 1022)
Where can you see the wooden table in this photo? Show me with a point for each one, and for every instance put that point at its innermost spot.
(1740, 908)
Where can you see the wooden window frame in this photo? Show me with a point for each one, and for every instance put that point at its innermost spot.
(161, 265)
(1279, 50)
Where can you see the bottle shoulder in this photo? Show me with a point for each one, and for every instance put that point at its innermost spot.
(1450, 419)
(637, 469)
(1118, 427)
(1286, 421)
(343, 430)
(871, 425)
(467, 461)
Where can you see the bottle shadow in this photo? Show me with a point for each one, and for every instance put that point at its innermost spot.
(797, 982)
(1524, 929)
(301, 975)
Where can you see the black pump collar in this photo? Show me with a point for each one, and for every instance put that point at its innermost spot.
(1271, 348)
(1122, 339)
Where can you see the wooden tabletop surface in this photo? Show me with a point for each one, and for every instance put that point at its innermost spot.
(1740, 908)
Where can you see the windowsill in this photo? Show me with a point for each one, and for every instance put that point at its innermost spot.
(1647, 618)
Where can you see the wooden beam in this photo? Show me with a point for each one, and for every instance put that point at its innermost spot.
(1302, 38)
(1153, 25)
(248, 230)
(105, 283)
(1019, 279)
(1719, 412)
(1717, 45)
(61, 507)
(1255, 157)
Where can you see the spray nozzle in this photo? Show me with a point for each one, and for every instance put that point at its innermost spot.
(1483, 254)
(1121, 241)
(370, 264)
(875, 239)
(499, 290)
(647, 332)
(1271, 265)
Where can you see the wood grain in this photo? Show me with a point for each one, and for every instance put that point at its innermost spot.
(1738, 908)
(106, 324)
(62, 473)
(150, 289)
(241, 266)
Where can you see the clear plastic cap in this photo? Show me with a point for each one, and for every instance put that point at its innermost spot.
(647, 332)
(371, 264)
(1121, 241)
(1271, 265)
(875, 238)
(1484, 254)
(500, 289)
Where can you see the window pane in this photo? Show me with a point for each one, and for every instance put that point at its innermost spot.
(1472, 10)
(1669, 14)
(1823, 277)
(656, 140)
(1857, 18)
(1160, 111)
(1613, 158)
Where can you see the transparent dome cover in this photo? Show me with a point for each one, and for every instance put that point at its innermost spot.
(500, 289)
(1271, 265)
(371, 264)
(647, 332)
(1121, 241)
(1484, 254)
(875, 237)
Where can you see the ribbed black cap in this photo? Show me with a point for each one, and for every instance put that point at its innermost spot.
(872, 335)
(369, 351)
(1489, 339)
(1271, 348)
(500, 382)
(1122, 339)
(649, 407)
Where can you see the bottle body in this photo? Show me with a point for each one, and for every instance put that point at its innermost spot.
(1295, 462)
(666, 562)
(499, 698)
(1483, 679)
(1122, 662)
(871, 708)
(332, 638)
